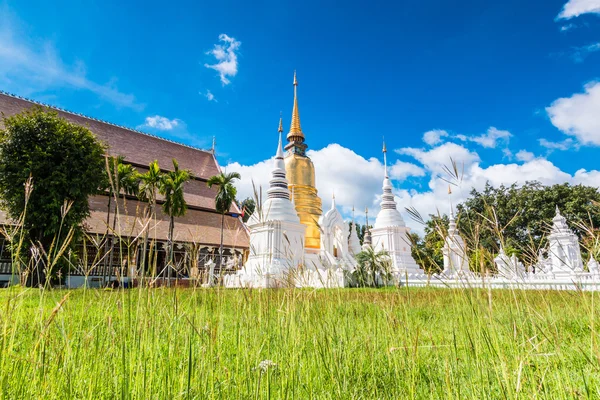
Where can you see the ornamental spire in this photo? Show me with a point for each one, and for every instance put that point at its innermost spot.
(280, 130)
(295, 128)
(385, 159)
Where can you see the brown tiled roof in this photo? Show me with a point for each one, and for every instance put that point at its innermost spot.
(201, 223)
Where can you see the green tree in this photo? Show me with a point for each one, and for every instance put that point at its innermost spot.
(149, 186)
(224, 198)
(123, 179)
(373, 269)
(171, 186)
(247, 206)
(427, 251)
(65, 162)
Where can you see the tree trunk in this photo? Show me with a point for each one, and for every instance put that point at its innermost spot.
(106, 236)
(170, 245)
(145, 245)
(221, 246)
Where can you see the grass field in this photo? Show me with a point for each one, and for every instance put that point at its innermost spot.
(349, 344)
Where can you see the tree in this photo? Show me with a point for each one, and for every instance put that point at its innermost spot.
(123, 179)
(515, 217)
(247, 206)
(374, 268)
(224, 198)
(150, 184)
(65, 162)
(171, 186)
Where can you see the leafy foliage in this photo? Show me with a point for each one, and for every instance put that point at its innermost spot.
(224, 198)
(374, 268)
(516, 217)
(65, 162)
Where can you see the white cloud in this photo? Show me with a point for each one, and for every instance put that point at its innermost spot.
(437, 159)
(567, 27)
(579, 54)
(434, 136)
(524, 155)
(490, 139)
(566, 144)
(578, 115)
(210, 96)
(575, 8)
(161, 123)
(355, 180)
(225, 54)
(28, 66)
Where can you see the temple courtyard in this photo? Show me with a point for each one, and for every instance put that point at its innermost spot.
(299, 343)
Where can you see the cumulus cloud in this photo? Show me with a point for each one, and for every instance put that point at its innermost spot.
(29, 66)
(437, 159)
(434, 136)
(356, 180)
(578, 115)
(490, 139)
(524, 155)
(579, 54)
(161, 123)
(226, 57)
(564, 145)
(575, 8)
(436, 199)
(210, 96)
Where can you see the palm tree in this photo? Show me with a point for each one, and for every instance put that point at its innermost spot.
(150, 184)
(171, 186)
(371, 265)
(224, 198)
(122, 179)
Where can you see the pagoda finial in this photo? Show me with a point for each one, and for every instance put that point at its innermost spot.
(295, 128)
(332, 200)
(280, 130)
(557, 210)
(385, 159)
(352, 213)
(450, 197)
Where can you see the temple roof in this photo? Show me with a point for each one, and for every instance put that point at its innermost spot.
(140, 149)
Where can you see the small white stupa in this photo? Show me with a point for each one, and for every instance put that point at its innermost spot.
(509, 267)
(564, 254)
(276, 237)
(334, 239)
(390, 233)
(593, 267)
(353, 241)
(456, 261)
(367, 242)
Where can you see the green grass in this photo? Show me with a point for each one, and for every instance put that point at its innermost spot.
(349, 344)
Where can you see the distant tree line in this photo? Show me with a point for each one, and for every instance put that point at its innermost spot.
(518, 218)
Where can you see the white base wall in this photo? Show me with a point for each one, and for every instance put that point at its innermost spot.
(394, 240)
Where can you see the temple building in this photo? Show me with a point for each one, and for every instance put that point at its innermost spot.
(390, 233)
(563, 254)
(300, 173)
(276, 237)
(197, 234)
(456, 261)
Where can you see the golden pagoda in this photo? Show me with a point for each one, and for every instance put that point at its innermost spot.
(300, 173)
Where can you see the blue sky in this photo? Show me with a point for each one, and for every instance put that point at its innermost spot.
(477, 81)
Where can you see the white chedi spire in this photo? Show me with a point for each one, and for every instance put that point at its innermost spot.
(389, 214)
(593, 267)
(455, 253)
(278, 206)
(564, 254)
(353, 241)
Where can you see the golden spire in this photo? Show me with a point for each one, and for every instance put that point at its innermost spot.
(280, 123)
(295, 128)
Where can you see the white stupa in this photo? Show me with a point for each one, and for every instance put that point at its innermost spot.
(564, 254)
(276, 237)
(593, 267)
(334, 239)
(509, 267)
(390, 233)
(353, 241)
(455, 251)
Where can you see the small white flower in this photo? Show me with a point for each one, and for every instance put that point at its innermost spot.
(264, 365)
